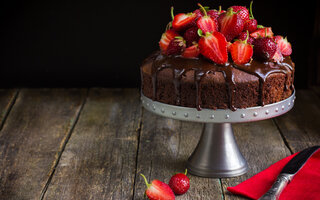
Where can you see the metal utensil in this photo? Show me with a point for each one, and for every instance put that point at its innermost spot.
(288, 172)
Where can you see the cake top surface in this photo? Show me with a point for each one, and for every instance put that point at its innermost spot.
(222, 37)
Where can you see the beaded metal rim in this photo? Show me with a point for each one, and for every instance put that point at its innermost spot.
(219, 115)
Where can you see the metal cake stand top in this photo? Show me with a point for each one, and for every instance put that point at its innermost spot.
(219, 115)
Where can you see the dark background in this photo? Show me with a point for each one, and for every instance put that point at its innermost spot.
(102, 43)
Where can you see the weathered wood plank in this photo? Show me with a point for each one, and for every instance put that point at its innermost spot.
(7, 98)
(164, 148)
(100, 158)
(261, 144)
(33, 137)
(300, 127)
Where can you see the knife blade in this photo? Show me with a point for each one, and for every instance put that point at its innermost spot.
(288, 172)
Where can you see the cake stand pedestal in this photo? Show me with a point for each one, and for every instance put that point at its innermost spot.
(217, 154)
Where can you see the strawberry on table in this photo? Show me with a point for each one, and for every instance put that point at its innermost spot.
(284, 45)
(214, 47)
(158, 190)
(191, 51)
(176, 46)
(179, 183)
(206, 23)
(166, 39)
(231, 24)
(241, 51)
(182, 21)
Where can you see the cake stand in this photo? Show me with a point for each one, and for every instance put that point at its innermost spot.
(217, 154)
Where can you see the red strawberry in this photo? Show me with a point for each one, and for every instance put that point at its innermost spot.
(198, 13)
(242, 12)
(176, 46)
(241, 51)
(214, 47)
(264, 48)
(206, 23)
(251, 24)
(215, 13)
(166, 39)
(243, 36)
(182, 21)
(179, 183)
(230, 24)
(192, 51)
(191, 35)
(158, 190)
(262, 32)
(284, 45)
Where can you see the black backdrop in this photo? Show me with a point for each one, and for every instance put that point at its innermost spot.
(102, 43)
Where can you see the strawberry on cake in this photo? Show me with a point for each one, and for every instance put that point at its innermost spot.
(218, 59)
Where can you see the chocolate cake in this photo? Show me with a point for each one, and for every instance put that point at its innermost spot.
(219, 74)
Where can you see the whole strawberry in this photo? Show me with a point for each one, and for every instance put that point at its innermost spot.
(264, 48)
(191, 35)
(251, 24)
(179, 183)
(176, 46)
(242, 12)
(243, 36)
(158, 190)
(231, 24)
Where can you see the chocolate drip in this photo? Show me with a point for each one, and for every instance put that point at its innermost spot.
(177, 75)
(229, 77)
(202, 67)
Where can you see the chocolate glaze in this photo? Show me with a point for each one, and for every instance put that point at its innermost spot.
(203, 66)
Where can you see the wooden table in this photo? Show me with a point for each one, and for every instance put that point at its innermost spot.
(93, 143)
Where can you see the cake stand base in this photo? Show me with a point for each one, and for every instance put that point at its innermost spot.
(217, 154)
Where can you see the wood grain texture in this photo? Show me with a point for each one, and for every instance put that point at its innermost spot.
(300, 127)
(165, 145)
(261, 144)
(32, 138)
(7, 99)
(99, 160)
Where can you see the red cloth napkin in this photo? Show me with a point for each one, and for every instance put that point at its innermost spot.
(305, 184)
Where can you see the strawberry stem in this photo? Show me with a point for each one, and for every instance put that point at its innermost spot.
(245, 41)
(185, 171)
(203, 9)
(172, 15)
(145, 180)
(251, 15)
(265, 32)
(200, 33)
